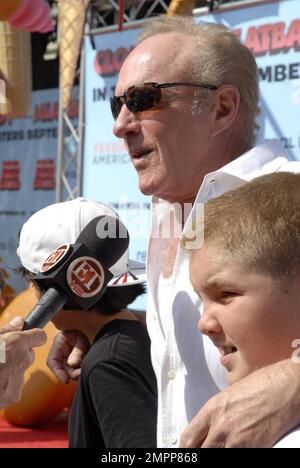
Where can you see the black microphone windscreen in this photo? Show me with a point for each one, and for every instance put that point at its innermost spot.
(106, 237)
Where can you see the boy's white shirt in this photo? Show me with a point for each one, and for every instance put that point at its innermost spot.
(187, 365)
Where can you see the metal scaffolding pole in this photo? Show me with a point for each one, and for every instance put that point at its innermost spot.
(70, 147)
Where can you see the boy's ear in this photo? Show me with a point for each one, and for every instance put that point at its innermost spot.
(224, 108)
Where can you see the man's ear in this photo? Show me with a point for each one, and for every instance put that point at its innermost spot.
(224, 109)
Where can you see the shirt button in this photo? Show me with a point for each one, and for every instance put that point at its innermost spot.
(171, 374)
(173, 439)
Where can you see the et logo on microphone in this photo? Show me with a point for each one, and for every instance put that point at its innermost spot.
(55, 258)
(85, 277)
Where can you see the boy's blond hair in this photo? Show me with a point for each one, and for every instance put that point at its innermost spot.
(258, 226)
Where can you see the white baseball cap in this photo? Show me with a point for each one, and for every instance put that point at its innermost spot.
(61, 223)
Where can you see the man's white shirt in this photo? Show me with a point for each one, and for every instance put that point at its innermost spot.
(187, 365)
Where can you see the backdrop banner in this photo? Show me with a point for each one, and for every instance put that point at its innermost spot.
(28, 149)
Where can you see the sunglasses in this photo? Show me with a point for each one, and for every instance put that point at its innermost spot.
(146, 96)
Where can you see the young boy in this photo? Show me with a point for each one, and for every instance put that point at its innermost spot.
(115, 402)
(247, 275)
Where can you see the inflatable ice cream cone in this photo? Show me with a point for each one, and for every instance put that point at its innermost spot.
(181, 7)
(7, 293)
(71, 23)
(15, 63)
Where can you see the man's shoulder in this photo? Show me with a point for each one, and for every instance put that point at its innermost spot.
(263, 159)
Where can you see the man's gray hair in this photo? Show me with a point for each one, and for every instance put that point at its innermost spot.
(219, 58)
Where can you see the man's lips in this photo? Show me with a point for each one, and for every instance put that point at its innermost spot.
(140, 153)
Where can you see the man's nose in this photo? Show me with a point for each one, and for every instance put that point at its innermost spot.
(126, 124)
(209, 325)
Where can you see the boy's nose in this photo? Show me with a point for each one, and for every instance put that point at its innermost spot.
(209, 325)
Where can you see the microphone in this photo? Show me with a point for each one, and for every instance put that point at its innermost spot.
(78, 274)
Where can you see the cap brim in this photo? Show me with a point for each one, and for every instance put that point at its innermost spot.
(136, 274)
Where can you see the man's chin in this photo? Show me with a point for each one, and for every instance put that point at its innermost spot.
(154, 187)
(146, 188)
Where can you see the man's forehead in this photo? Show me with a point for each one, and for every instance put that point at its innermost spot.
(138, 62)
(160, 43)
(157, 58)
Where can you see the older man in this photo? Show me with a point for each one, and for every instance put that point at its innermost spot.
(16, 355)
(185, 105)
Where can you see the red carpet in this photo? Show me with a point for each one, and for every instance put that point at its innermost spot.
(52, 435)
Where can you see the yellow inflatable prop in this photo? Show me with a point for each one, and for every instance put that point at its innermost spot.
(7, 293)
(44, 397)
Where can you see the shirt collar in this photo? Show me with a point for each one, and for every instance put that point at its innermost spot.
(265, 158)
(251, 163)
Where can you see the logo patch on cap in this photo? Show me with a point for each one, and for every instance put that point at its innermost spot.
(85, 277)
(55, 258)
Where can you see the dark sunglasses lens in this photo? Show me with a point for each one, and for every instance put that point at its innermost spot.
(136, 100)
(141, 99)
(116, 106)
